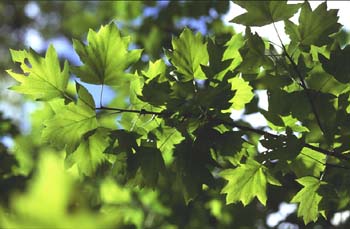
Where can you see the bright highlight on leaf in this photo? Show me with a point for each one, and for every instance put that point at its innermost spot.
(246, 182)
(308, 198)
(105, 57)
(243, 93)
(42, 78)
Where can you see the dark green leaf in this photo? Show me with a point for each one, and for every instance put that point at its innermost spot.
(264, 12)
(337, 65)
(313, 29)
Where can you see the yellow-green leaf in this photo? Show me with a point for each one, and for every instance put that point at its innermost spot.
(106, 57)
(246, 182)
(42, 78)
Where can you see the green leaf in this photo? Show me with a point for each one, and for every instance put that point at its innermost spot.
(282, 147)
(84, 96)
(264, 12)
(246, 182)
(188, 54)
(167, 138)
(71, 121)
(285, 104)
(243, 93)
(151, 164)
(232, 50)
(287, 121)
(89, 154)
(314, 27)
(157, 68)
(191, 169)
(155, 93)
(229, 143)
(308, 198)
(337, 65)
(106, 57)
(217, 67)
(319, 80)
(49, 199)
(253, 54)
(42, 78)
(308, 163)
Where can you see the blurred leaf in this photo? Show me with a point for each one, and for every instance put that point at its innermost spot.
(53, 187)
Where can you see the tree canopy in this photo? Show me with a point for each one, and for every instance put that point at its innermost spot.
(163, 150)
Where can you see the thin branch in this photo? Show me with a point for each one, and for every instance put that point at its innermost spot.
(307, 145)
(231, 124)
(302, 81)
(325, 164)
(142, 111)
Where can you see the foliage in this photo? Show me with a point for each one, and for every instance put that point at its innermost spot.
(166, 145)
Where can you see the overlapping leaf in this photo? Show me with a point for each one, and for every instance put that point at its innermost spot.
(191, 169)
(151, 164)
(253, 54)
(157, 68)
(308, 199)
(246, 182)
(308, 163)
(42, 78)
(89, 154)
(338, 65)
(264, 12)
(71, 121)
(106, 57)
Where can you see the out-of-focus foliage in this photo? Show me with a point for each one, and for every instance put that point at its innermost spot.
(163, 152)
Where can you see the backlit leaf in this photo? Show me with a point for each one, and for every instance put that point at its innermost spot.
(70, 121)
(246, 182)
(89, 154)
(308, 198)
(188, 54)
(243, 93)
(42, 78)
(105, 57)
